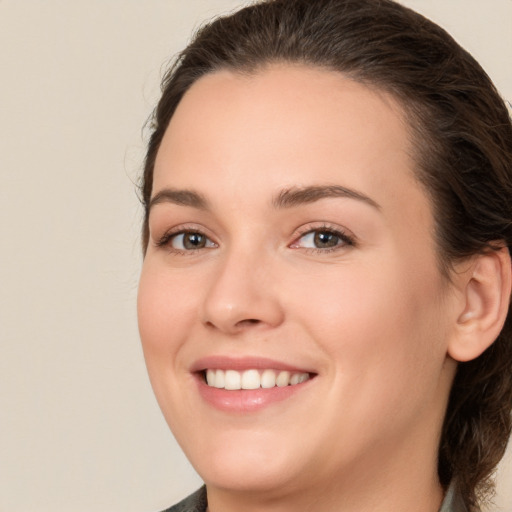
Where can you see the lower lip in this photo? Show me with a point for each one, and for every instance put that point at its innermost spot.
(247, 400)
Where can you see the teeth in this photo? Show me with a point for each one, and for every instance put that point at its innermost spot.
(295, 378)
(303, 377)
(210, 377)
(250, 379)
(253, 379)
(233, 380)
(268, 379)
(283, 379)
(215, 378)
(220, 379)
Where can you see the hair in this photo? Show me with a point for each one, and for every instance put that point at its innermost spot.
(462, 135)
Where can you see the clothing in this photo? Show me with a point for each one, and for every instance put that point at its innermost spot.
(197, 502)
(453, 502)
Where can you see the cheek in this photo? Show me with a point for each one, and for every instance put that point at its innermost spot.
(379, 327)
(164, 313)
(164, 310)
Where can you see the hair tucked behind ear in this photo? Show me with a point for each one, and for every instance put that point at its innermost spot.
(463, 143)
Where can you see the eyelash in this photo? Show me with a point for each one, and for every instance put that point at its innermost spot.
(166, 239)
(345, 239)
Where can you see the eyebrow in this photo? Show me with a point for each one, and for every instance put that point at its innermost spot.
(287, 198)
(180, 198)
(297, 196)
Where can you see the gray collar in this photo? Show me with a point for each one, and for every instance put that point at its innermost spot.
(194, 503)
(453, 501)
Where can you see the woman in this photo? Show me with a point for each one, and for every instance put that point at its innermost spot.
(324, 300)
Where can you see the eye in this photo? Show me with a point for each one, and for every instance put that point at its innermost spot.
(326, 239)
(190, 241)
(186, 241)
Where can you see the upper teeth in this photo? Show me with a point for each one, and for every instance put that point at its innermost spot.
(253, 379)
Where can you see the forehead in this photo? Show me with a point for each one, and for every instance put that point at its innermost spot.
(284, 126)
(289, 111)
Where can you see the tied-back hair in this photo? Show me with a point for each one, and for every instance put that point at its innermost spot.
(462, 136)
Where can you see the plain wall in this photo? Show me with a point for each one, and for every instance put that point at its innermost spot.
(79, 427)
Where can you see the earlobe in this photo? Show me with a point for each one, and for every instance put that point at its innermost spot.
(486, 297)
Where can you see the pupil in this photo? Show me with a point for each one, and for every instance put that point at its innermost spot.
(193, 241)
(325, 239)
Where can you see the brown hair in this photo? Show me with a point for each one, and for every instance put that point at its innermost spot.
(463, 143)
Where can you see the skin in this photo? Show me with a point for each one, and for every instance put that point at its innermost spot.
(372, 319)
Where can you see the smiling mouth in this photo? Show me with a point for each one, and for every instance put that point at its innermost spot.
(253, 379)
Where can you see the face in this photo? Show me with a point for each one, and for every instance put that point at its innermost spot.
(291, 255)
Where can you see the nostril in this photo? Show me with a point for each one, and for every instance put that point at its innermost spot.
(248, 321)
(238, 325)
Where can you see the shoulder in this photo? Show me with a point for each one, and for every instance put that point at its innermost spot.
(196, 502)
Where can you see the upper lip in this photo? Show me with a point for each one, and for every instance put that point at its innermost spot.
(220, 362)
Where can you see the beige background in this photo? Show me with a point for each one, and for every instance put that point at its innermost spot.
(79, 427)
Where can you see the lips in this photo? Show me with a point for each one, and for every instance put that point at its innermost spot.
(242, 385)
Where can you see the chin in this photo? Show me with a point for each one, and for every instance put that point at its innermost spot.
(245, 465)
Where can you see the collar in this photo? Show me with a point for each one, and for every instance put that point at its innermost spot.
(453, 501)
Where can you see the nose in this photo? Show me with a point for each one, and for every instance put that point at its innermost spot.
(242, 295)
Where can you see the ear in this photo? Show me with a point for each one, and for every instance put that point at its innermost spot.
(486, 288)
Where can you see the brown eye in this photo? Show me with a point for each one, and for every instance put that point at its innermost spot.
(190, 241)
(320, 239)
(325, 239)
